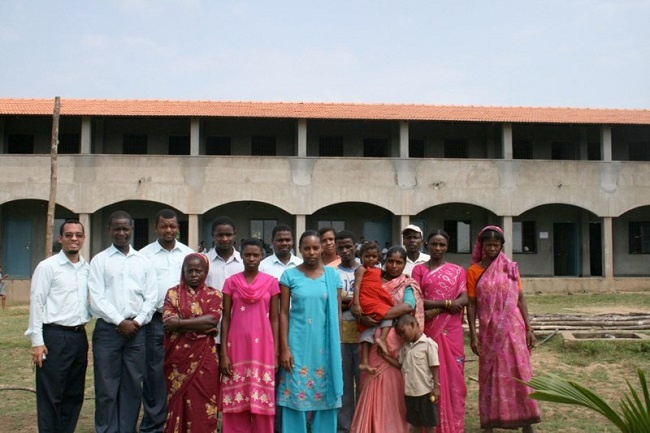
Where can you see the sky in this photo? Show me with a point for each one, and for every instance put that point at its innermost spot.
(549, 53)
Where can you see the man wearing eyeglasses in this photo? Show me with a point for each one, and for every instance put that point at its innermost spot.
(58, 312)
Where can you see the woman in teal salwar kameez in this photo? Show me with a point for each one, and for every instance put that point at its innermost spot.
(311, 376)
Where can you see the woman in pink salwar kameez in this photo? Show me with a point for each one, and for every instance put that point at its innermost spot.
(445, 294)
(505, 336)
(381, 407)
(248, 353)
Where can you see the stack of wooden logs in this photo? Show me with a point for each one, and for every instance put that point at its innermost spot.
(586, 322)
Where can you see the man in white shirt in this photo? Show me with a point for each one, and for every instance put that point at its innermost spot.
(412, 239)
(282, 257)
(224, 258)
(123, 297)
(58, 311)
(166, 255)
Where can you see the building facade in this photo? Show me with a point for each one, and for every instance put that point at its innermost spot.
(570, 187)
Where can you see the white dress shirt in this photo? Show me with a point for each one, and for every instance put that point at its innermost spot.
(168, 266)
(221, 269)
(273, 266)
(59, 295)
(410, 264)
(122, 286)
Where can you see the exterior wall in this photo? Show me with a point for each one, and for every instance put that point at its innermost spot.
(300, 191)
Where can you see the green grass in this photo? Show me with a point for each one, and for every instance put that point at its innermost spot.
(599, 365)
(540, 304)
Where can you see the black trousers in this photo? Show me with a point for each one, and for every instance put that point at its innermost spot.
(60, 382)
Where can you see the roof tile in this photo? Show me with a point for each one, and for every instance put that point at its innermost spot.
(320, 110)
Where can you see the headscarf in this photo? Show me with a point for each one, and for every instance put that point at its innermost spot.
(501, 262)
(477, 252)
(204, 260)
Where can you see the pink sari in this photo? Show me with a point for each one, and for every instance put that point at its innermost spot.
(446, 329)
(381, 407)
(503, 402)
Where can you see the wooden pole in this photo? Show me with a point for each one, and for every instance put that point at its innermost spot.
(51, 205)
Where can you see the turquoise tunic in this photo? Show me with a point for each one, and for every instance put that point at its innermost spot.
(316, 380)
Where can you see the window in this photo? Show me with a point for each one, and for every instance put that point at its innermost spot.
(561, 150)
(337, 225)
(263, 146)
(218, 146)
(330, 146)
(524, 239)
(593, 151)
(639, 237)
(20, 143)
(262, 229)
(455, 148)
(639, 151)
(459, 236)
(140, 233)
(179, 145)
(522, 149)
(69, 143)
(134, 144)
(375, 147)
(416, 148)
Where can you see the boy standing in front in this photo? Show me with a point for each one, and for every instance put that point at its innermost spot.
(418, 359)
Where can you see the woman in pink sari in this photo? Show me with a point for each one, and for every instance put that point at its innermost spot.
(505, 338)
(191, 314)
(444, 292)
(381, 405)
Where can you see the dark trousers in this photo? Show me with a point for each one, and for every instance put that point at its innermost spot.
(119, 364)
(351, 378)
(154, 398)
(60, 382)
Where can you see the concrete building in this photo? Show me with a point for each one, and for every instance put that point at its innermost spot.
(571, 187)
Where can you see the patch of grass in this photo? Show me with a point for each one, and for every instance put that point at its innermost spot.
(600, 366)
(540, 304)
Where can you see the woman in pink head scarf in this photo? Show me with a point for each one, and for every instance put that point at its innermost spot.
(505, 339)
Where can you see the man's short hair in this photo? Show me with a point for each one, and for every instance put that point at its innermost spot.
(119, 214)
(223, 221)
(280, 228)
(165, 214)
(346, 234)
(71, 221)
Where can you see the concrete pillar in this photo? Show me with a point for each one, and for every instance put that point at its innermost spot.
(86, 135)
(195, 135)
(606, 143)
(585, 267)
(506, 225)
(506, 141)
(608, 248)
(193, 231)
(84, 219)
(404, 220)
(301, 225)
(302, 139)
(403, 139)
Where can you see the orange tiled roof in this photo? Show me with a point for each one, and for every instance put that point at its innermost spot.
(309, 110)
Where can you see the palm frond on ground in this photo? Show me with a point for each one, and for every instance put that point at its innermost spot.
(634, 415)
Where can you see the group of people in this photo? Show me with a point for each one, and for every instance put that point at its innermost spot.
(273, 344)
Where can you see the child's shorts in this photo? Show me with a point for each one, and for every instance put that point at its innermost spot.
(368, 335)
(421, 411)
